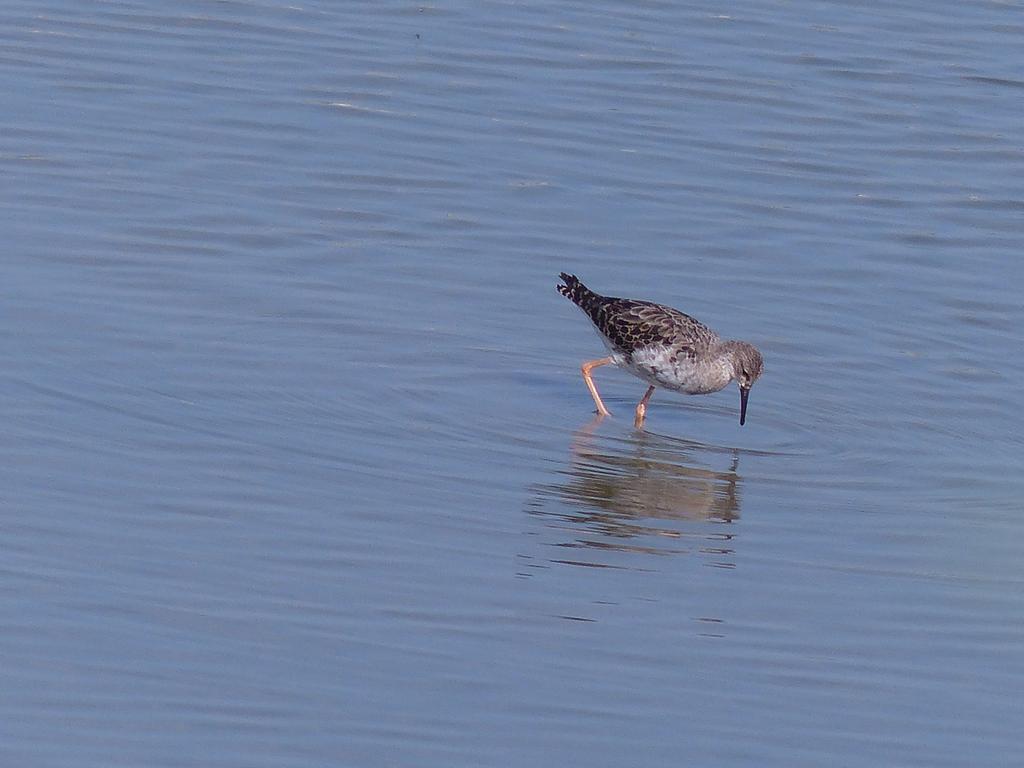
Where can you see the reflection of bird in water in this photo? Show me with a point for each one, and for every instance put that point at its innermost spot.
(617, 495)
(664, 347)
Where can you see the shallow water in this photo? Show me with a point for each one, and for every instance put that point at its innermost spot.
(298, 467)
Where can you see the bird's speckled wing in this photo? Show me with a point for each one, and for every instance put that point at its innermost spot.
(631, 325)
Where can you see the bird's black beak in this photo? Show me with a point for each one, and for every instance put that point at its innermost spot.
(744, 394)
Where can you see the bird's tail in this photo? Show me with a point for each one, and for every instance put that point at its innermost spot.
(578, 293)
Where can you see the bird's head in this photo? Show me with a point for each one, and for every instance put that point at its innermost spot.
(747, 365)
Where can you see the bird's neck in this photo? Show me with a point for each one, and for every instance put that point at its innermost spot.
(727, 347)
(725, 352)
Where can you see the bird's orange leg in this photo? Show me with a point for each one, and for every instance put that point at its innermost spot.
(641, 408)
(586, 368)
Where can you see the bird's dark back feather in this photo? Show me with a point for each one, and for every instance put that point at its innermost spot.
(630, 324)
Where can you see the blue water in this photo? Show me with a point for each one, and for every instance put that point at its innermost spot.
(297, 467)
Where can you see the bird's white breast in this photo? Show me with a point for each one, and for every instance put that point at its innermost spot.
(671, 368)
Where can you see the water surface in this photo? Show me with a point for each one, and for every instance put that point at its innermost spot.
(298, 468)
